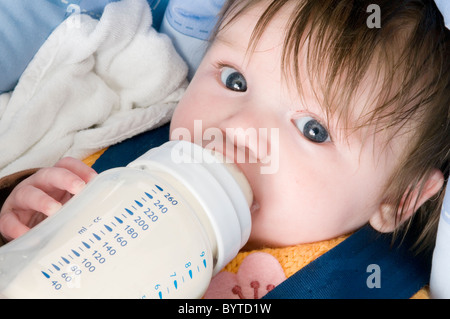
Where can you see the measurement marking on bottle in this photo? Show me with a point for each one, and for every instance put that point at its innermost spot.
(140, 208)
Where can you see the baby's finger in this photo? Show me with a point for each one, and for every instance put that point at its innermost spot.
(77, 167)
(57, 178)
(30, 198)
(11, 227)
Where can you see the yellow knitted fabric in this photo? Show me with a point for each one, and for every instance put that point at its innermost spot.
(90, 160)
(291, 258)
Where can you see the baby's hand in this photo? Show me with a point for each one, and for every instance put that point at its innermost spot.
(41, 195)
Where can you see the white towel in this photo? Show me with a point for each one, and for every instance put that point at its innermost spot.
(92, 84)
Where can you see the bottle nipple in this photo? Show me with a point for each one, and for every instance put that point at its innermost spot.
(238, 175)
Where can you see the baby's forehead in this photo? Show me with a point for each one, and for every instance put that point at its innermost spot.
(246, 17)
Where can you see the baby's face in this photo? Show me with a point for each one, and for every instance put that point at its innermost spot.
(310, 182)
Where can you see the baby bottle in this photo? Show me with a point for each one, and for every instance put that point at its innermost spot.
(159, 228)
(440, 269)
(189, 25)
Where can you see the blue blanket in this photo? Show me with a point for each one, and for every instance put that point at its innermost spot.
(26, 24)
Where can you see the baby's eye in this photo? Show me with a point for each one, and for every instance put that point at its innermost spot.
(233, 79)
(312, 129)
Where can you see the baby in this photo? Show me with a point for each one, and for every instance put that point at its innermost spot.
(360, 116)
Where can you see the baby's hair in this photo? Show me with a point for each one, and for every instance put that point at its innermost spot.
(409, 63)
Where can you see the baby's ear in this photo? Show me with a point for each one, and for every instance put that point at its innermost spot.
(384, 219)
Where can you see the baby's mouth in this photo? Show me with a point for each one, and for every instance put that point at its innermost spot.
(241, 179)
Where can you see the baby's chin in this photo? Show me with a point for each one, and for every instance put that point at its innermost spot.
(253, 246)
(258, 244)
